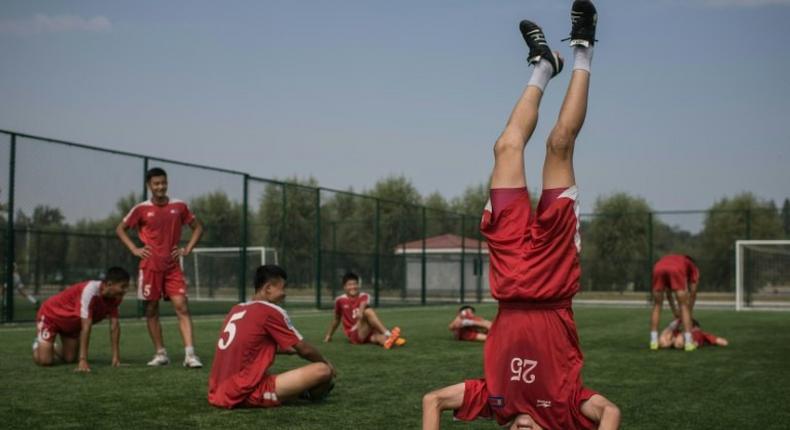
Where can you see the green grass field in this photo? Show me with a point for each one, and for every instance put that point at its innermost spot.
(746, 385)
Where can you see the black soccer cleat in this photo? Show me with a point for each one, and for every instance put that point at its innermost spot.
(538, 48)
(584, 18)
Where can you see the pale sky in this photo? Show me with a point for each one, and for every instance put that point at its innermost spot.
(690, 99)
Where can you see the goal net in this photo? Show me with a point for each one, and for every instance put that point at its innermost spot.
(214, 273)
(762, 274)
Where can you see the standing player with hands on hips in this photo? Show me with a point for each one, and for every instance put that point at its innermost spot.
(158, 221)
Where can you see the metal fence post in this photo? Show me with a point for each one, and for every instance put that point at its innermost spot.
(376, 256)
(9, 263)
(318, 248)
(423, 274)
(244, 241)
(141, 303)
(463, 258)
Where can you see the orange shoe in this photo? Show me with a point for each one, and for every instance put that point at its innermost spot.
(400, 341)
(395, 334)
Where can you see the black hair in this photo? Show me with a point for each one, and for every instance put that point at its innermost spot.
(268, 273)
(690, 259)
(116, 274)
(695, 323)
(464, 307)
(350, 276)
(156, 171)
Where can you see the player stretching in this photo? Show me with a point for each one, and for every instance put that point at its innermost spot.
(158, 222)
(468, 326)
(71, 314)
(361, 324)
(251, 334)
(532, 358)
(674, 274)
(672, 338)
(19, 286)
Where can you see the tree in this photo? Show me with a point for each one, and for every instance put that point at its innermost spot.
(729, 219)
(615, 246)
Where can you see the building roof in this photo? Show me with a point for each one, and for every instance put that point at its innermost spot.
(445, 243)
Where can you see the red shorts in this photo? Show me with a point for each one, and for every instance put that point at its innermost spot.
(702, 338)
(154, 285)
(47, 329)
(475, 403)
(354, 338)
(533, 365)
(264, 395)
(669, 279)
(467, 333)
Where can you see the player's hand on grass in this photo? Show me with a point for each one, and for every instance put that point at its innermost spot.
(143, 252)
(116, 362)
(327, 339)
(82, 366)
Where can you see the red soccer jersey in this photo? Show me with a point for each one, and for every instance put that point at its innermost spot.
(159, 227)
(674, 263)
(348, 308)
(534, 258)
(251, 334)
(67, 308)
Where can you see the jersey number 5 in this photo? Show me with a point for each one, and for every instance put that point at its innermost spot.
(230, 329)
(521, 369)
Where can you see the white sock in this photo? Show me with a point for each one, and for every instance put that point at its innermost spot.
(161, 351)
(687, 337)
(541, 74)
(189, 351)
(31, 299)
(582, 58)
(388, 333)
(653, 336)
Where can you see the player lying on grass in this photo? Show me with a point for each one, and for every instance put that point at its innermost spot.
(361, 324)
(532, 359)
(71, 314)
(671, 337)
(674, 275)
(468, 326)
(251, 335)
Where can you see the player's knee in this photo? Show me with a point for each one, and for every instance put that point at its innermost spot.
(561, 142)
(430, 400)
(323, 372)
(508, 144)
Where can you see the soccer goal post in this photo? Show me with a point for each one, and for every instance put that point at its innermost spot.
(213, 272)
(762, 274)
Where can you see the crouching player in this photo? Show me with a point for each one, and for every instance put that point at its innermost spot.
(468, 326)
(251, 335)
(671, 337)
(71, 315)
(532, 359)
(361, 324)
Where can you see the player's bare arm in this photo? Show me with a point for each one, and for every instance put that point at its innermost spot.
(197, 233)
(310, 353)
(85, 336)
(137, 251)
(332, 327)
(115, 341)
(435, 402)
(599, 409)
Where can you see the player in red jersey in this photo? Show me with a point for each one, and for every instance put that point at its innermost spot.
(158, 222)
(532, 359)
(361, 324)
(671, 337)
(468, 326)
(71, 314)
(251, 335)
(674, 275)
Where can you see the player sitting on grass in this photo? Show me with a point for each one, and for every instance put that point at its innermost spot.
(671, 337)
(532, 359)
(677, 275)
(251, 335)
(71, 314)
(468, 326)
(361, 324)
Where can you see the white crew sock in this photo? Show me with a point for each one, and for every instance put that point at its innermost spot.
(653, 336)
(189, 351)
(161, 351)
(687, 337)
(388, 333)
(541, 74)
(582, 58)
